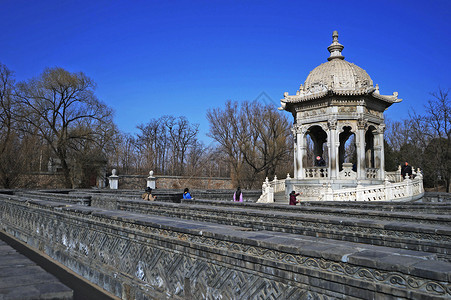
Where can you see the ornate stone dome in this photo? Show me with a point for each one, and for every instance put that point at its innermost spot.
(336, 77)
(337, 74)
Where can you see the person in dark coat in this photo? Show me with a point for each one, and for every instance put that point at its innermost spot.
(406, 170)
(293, 196)
(320, 162)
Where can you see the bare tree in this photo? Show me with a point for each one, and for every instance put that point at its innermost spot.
(182, 136)
(62, 109)
(165, 143)
(397, 133)
(224, 128)
(12, 161)
(255, 137)
(433, 133)
(125, 156)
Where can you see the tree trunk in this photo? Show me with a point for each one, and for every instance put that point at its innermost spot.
(66, 173)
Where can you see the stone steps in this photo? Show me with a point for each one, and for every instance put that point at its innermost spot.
(279, 198)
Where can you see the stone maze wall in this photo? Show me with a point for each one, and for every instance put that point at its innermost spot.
(209, 249)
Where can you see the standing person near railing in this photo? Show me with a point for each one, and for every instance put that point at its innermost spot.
(238, 195)
(406, 170)
(320, 162)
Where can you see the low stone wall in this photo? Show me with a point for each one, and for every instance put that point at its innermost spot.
(138, 256)
(436, 197)
(175, 182)
(138, 182)
(41, 181)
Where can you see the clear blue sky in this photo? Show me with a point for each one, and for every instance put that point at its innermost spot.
(151, 58)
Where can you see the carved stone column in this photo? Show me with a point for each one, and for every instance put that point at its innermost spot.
(300, 151)
(333, 149)
(380, 153)
(361, 171)
(295, 152)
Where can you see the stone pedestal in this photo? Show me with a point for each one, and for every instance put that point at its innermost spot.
(114, 180)
(151, 180)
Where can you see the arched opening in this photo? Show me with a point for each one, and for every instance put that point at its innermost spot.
(369, 148)
(347, 152)
(316, 139)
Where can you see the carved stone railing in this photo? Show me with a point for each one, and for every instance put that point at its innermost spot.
(316, 172)
(393, 176)
(271, 187)
(408, 189)
(371, 173)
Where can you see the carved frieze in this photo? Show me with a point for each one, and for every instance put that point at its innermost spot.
(375, 113)
(311, 113)
(347, 109)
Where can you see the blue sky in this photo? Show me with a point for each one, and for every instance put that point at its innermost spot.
(152, 58)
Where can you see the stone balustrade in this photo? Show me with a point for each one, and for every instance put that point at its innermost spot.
(271, 187)
(401, 191)
(393, 176)
(316, 172)
(371, 173)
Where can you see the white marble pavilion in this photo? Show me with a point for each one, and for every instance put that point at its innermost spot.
(338, 115)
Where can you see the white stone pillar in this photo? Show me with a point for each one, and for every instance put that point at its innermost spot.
(300, 154)
(361, 170)
(114, 180)
(295, 152)
(333, 149)
(388, 190)
(381, 151)
(409, 186)
(151, 180)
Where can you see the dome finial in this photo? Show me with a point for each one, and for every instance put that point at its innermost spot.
(335, 48)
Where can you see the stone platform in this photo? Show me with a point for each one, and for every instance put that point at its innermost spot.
(20, 278)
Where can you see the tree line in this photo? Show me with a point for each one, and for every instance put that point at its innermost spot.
(55, 120)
